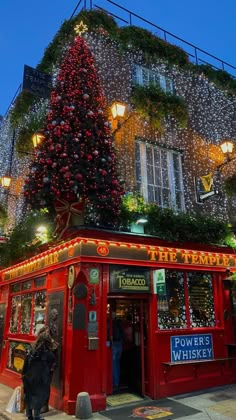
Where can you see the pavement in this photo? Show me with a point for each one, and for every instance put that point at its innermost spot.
(209, 404)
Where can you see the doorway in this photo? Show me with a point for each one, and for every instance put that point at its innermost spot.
(128, 367)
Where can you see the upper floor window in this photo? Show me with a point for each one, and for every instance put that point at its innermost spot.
(146, 76)
(159, 175)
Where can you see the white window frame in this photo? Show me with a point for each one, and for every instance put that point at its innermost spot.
(145, 76)
(143, 175)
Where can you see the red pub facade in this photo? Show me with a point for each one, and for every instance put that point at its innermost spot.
(177, 298)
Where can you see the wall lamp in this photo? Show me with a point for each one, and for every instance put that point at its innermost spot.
(118, 110)
(227, 150)
(37, 138)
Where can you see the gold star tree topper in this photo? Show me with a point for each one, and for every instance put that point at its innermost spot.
(81, 28)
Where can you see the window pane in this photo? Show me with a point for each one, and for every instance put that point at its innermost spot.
(27, 285)
(15, 313)
(26, 305)
(39, 311)
(39, 282)
(150, 194)
(159, 173)
(201, 300)
(171, 305)
(15, 287)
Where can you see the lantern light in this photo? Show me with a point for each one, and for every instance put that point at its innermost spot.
(6, 181)
(37, 138)
(118, 110)
(227, 147)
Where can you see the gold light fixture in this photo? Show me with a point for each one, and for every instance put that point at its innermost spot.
(118, 110)
(6, 181)
(37, 138)
(227, 147)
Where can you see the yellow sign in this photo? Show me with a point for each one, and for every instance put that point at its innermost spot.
(182, 256)
(207, 182)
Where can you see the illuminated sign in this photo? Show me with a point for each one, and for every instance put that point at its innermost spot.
(129, 279)
(87, 248)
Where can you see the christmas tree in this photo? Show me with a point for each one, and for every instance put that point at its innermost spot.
(76, 160)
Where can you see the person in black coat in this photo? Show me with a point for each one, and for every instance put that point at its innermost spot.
(36, 375)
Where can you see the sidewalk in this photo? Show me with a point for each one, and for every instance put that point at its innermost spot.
(214, 403)
(5, 395)
(211, 404)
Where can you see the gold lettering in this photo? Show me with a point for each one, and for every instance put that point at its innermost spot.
(212, 260)
(225, 261)
(218, 260)
(163, 256)
(186, 258)
(203, 259)
(172, 257)
(152, 254)
(195, 259)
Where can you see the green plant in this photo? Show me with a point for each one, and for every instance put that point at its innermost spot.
(153, 48)
(230, 185)
(155, 105)
(3, 216)
(20, 242)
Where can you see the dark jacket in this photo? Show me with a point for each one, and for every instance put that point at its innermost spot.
(36, 375)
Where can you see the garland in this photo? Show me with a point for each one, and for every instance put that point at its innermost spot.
(130, 37)
(155, 105)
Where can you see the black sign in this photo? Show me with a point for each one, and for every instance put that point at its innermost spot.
(129, 279)
(205, 188)
(36, 82)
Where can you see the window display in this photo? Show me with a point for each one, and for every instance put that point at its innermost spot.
(171, 305)
(201, 302)
(39, 311)
(28, 312)
(26, 305)
(15, 313)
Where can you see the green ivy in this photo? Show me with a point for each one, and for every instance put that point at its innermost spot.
(177, 227)
(3, 215)
(154, 48)
(20, 243)
(155, 105)
(230, 185)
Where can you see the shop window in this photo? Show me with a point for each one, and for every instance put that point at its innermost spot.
(26, 285)
(39, 311)
(26, 308)
(171, 302)
(15, 288)
(40, 282)
(159, 175)
(15, 314)
(201, 303)
(26, 305)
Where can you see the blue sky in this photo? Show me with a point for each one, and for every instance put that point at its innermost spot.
(28, 26)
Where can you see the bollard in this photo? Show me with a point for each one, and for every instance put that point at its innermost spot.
(83, 409)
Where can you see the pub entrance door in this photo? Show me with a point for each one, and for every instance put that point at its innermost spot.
(128, 367)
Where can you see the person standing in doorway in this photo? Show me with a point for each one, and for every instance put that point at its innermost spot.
(117, 348)
(36, 375)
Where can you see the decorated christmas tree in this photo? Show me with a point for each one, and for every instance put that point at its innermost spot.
(76, 161)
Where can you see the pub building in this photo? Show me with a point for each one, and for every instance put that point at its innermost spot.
(175, 303)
